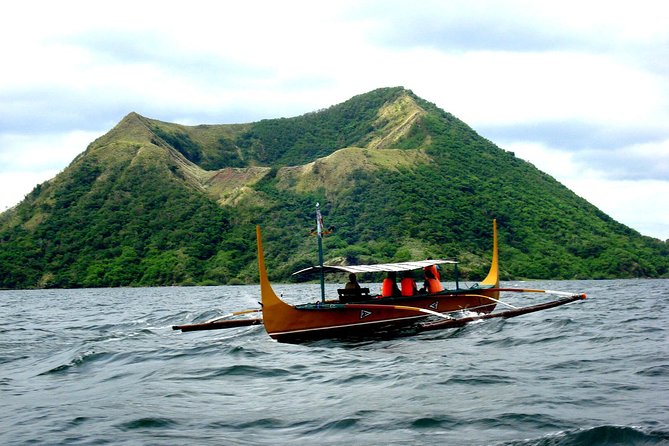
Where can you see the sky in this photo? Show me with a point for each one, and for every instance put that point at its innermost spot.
(580, 89)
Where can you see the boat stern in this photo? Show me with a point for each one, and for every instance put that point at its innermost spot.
(492, 279)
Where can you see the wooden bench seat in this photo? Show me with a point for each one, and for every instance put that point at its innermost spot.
(353, 294)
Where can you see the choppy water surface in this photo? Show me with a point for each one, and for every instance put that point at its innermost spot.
(103, 366)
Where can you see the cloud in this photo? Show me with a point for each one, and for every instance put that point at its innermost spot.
(626, 153)
(16, 185)
(637, 204)
(42, 153)
(575, 135)
(29, 160)
(579, 85)
(644, 161)
(209, 62)
(463, 26)
(505, 88)
(515, 25)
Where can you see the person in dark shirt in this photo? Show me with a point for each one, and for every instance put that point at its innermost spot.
(352, 283)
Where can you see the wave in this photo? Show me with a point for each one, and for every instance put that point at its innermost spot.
(599, 436)
(119, 374)
(481, 379)
(441, 422)
(660, 370)
(147, 423)
(81, 360)
(521, 421)
(248, 371)
(512, 341)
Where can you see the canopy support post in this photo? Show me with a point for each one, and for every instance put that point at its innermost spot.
(319, 231)
(457, 278)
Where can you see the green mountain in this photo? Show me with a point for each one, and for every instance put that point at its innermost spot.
(157, 203)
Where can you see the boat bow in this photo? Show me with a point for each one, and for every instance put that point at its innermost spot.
(274, 309)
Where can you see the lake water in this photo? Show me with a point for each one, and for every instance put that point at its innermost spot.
(103, 366)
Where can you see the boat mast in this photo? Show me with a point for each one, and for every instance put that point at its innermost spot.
(319, 235)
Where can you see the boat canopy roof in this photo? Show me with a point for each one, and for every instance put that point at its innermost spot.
(379, 267)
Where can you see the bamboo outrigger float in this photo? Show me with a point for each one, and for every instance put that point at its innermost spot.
(370, 315)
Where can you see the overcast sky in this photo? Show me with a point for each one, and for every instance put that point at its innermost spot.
(578, 88)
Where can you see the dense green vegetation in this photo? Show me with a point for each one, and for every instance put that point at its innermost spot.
(224, 153)
(314, 135)
(129, 212)
(563, 238)
(134, 226)
(445, 209)
(182, 142)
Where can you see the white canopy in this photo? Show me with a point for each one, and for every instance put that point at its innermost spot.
(380, 267)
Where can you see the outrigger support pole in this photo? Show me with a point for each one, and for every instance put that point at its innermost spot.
(319, 234)
(457, 278)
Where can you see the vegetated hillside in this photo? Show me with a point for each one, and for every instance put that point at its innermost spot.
(155, 203)
(125, 212)
(442, 204)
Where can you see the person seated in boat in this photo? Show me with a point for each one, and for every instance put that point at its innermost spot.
(408, 285)
(434, 269)
(389, 286)
(352, 283)
(432, 284)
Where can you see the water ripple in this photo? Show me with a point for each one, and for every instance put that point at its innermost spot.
(599, 436)
(149, 423)
(104, 367)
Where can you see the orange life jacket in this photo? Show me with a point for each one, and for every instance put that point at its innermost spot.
(387, 287)
(434, 270)
(408, 286)
(434, 286)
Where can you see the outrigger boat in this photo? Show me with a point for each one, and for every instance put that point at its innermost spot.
(370, 315)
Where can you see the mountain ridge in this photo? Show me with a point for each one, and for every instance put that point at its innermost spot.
(158, 203)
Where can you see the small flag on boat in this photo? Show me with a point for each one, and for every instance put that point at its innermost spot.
(320, 226)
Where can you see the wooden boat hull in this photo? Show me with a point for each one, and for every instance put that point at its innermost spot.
(285, 322)
(476, 300)
(353, 320)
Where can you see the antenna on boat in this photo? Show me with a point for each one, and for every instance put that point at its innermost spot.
(319, 234)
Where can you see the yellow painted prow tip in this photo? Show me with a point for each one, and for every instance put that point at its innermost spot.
(272, 306)
(493, 275)
(265, 287)
(261, 254)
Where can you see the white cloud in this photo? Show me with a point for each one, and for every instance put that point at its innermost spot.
(632, 162)
(45, 152)
(16, 185)
(557, 163)
(504, 88)
(641, 204)
(580, 87)
(26, 161)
